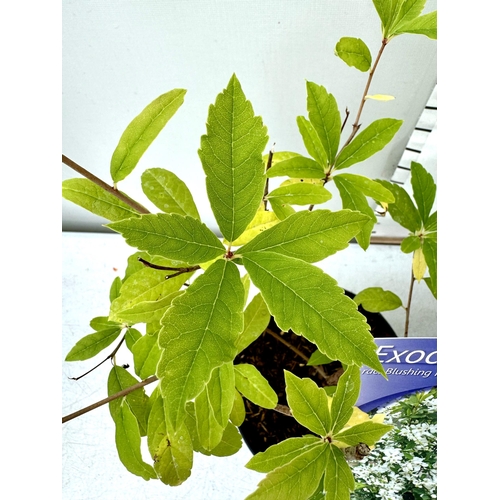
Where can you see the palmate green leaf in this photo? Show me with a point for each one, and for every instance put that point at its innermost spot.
(146, 352)
(403, 210)
(297, 479)
(354, 199)
(128, 444)
(308, 403)
(230, 442)
(297, 167)
(171, 449)
(338, 481)
(231, 156)
(145, 286)
(310, 236)
(388, 11)
(199, 334)
(102, 323)
(318, 358)
(114, 290)
(169, 193)
(345, 397)
(368, 432)
(325, 118)
(368, 187)
(423, 25)
(369, 141)
(376, 299)
(256, 319)
(424, 190)
(131, 337)
(91, 197)
(431, 226)
(262, 221)
(312, 142)
(92, 344)
(213, 406)
(172, 236)
(303, 298)
(251, 384)
(118, 380)
(282, 453)
(300, 194)
(354, 52)
(142, 131)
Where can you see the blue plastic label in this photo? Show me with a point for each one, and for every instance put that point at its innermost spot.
(410, 365)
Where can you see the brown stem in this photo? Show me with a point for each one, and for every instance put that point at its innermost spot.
(180, 270)
(124, 392)
(356, 125)
(110, 189)
(407, 321)
(279, 338)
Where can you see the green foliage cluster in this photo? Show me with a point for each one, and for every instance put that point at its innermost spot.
(198, 319)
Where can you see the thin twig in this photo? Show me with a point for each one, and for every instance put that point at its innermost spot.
(110, 189)
(268, 166)
(180, 270)
(111, 356)
(124, 392)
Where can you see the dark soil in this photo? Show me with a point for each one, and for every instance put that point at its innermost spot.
(263, 428)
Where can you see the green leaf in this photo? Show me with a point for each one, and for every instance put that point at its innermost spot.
(297, 167)
(256, 319)
(231, 156)
(423, 25)
(368, 432)
(171, 449)
(325, 118)
(120, 379)
(199, 334)
(308, 403)
(403, 210)
(345, 397)
(131, 337)
(339, 481)
(431, 226)
(282, 453)
(230, 442)
(410, 244)
(144, 286)
(114, 291)
(213, 406)
(91, 197)
(171, 235)
(309, 236)
(429, 248)
(424, 190)
(369, 141)
(318, 358)
(300, 194)
(281, 209)
(148, 311)
(169, 193)
(376, 299)
(93, 344)
(238, 412)
(146, 354)
(312, 142)
(368, 187)
(303, 298)
(261, 222)
(354, 199)
(254, 386)
(142, 131)
(128, 444)
(297, 479)
(102, 323)
(354, 52)
(388, 11)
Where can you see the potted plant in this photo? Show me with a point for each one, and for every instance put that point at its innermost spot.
(190, 302)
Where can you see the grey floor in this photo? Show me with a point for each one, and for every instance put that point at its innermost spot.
(91, 468)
